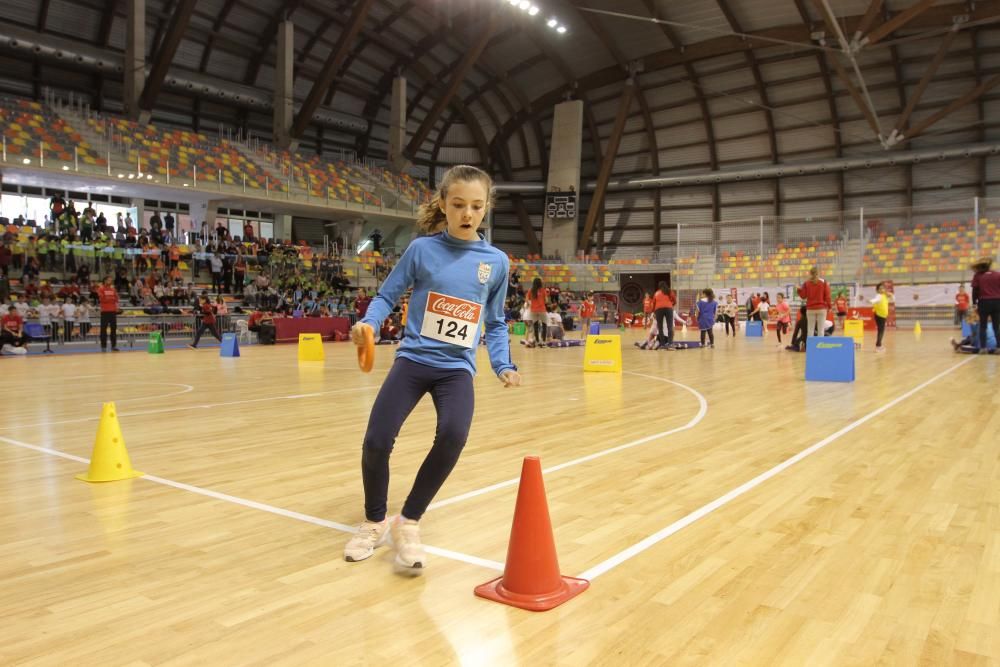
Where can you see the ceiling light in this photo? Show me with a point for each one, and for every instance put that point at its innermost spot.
(532, 10)
(523, 4)
(553, 23)
(65, 167)
(149, 177)
(513, 3)
(131, 176)
(26, 161)
(121, 175)
(561, 29)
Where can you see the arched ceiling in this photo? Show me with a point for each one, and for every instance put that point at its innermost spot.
(720, 82)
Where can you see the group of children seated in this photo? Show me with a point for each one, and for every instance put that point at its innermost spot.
(970, 343)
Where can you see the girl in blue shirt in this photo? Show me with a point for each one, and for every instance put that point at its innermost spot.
(459, 283)
(707, 308)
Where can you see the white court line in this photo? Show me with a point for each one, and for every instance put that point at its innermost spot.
(705, 510)
(702, 411)
(203, 406)
(264, 507)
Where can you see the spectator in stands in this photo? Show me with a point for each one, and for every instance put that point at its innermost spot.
(57, 205)
(83, 318)
(49, 315)
(816, 293)
(69, 318)
(215, 263)
(107, 297)
(12, 329)
(239, 271)
(168, 223)
(986, 297)
(361, 303)
(6, 256)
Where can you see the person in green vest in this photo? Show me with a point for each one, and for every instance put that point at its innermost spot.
(42, 248)
(87, 226)
(99, 245)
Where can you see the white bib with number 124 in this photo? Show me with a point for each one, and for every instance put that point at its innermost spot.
(451, 320)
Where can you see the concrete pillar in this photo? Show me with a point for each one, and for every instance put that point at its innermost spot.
(135, 59)
(283, 86)
(282, 228)
(397, 125)
(140, 213)
(559, 235)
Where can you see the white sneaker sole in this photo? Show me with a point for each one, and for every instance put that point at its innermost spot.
(402, 567)
(414, 569)
(379, 542)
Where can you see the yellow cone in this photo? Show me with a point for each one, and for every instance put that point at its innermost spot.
(109, 462)
(916, 329)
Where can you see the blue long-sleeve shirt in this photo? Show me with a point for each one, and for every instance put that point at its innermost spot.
(469, 283)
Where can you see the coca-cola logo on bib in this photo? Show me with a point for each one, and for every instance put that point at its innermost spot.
(450, 306)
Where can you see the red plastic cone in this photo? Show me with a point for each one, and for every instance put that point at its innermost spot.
(531, 578)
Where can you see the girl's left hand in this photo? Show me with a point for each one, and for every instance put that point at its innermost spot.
(510, 378)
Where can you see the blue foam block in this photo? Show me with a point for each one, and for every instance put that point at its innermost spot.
(755, 329)
(230, 346)
(830, 359)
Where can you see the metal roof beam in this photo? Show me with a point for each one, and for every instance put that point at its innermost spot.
(866, 21)
(457, 76)
(330, 68)
(896, 22)
(596, 207)
(924, 80)
(162, 58)
(758, 81)
(968, 98)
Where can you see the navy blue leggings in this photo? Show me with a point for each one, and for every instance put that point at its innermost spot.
(454, 400)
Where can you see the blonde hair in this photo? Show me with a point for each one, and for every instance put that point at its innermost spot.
(431, 218)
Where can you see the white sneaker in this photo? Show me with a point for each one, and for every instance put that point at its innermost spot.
(410, 555)
(371, 534)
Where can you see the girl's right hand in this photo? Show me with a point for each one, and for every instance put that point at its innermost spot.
(358, 333)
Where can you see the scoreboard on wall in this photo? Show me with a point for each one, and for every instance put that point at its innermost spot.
(560, 205)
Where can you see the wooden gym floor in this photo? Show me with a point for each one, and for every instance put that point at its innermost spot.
(880, 544)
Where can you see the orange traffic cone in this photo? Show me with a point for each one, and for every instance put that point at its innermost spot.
(531, 578)
(109, 462)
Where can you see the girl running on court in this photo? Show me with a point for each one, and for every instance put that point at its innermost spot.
(880, 309)
(587, 310)
(730, 311)
(538, 297)
(459, 283)
(783, 316)
(706, 309)
(762, 312)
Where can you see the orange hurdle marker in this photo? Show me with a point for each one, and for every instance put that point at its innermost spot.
(366, 352)
(531, 578)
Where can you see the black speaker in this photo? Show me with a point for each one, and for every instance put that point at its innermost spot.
(635, 285)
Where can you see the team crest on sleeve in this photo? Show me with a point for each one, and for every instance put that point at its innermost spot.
(484, 272)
